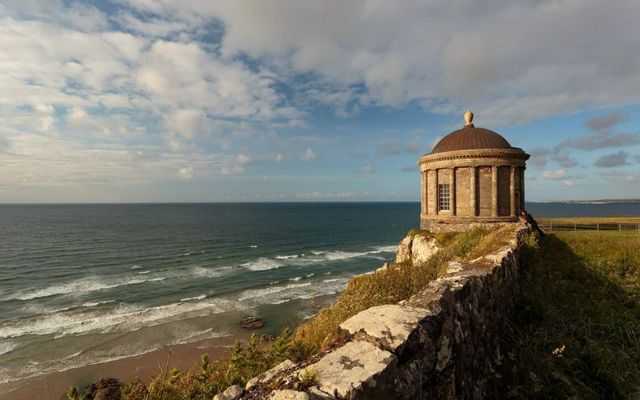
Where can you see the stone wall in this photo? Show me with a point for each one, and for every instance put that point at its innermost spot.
(440, 344)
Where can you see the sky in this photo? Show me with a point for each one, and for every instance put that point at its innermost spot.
(183, 100)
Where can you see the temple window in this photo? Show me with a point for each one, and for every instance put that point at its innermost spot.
(444, 202)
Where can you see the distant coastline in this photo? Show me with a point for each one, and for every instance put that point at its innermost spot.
(601, 201)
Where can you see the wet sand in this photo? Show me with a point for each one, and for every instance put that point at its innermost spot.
(183, 356)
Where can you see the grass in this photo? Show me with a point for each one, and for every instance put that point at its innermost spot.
(577, 331)
(248, 359)
(591, 220)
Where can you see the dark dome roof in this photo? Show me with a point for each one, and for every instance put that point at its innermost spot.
(469, 138)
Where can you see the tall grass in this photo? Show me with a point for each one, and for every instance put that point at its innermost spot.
(577, 332)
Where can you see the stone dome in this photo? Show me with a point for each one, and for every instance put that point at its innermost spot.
(469, 138)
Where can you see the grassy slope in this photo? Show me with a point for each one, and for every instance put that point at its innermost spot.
(578, 329)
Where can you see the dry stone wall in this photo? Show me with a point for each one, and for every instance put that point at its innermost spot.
(440, 344)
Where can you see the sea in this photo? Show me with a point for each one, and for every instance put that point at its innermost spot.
(86, 284)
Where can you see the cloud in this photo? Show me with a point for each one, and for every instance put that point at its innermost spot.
(308, 155)
(279, 157)
(612, 160)
(554, 175)
(391, 148)
(592, 141)
(4, 144)
(186, 172)
(606, 121)
(366, 169)
(510, 69)
(409, 168)
(564, 160)
(237, 165)
(396, 148)
(188, 122)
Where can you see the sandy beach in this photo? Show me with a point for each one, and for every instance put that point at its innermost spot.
(183, 356)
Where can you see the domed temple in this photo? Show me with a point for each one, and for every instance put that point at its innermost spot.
(473, 175)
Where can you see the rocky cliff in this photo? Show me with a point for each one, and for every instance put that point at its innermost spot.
(442, 343)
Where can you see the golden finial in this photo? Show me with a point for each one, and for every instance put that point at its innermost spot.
(468, 117)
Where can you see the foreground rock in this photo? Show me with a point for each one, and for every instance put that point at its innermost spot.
(105, 389)
(232, 393)
(252, 322)
(416, 248)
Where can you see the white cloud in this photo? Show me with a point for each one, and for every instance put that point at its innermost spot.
(554, 175)
(308, 155)
(366, 169)
(279, 157)
(186, 172)
(188, 122)
(236, 166)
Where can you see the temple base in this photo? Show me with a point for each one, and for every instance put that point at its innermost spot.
(461, 224)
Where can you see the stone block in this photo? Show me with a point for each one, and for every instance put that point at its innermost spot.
(353, 370)
(389, 325)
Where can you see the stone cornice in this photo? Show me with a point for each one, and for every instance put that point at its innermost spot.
(513, 153)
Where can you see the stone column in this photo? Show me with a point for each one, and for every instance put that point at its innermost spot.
(423, 192)
(452, 191)
(522, 183)
(436, 195)
(473, 172)
(512, 191)
(494, 190)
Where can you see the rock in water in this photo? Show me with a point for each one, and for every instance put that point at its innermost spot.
(105, 389)
(252, 322)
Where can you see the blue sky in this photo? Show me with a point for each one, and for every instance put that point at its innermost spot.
(162, 100)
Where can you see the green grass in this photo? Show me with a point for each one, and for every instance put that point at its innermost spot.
(577, 330)
(591, 220)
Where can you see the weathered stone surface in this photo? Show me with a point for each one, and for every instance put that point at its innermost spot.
(416, 249)
(404, 250)
(288, 395)
(422, 249)
(388, 325)
(317, 394)
(231, 393)
(352, 370)
(268, 375)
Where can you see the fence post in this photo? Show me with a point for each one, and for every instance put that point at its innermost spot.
(551, 227)
(575, 226)
(598, 226)
(619, 227)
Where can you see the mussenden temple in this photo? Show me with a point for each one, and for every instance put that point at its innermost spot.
(472, 176)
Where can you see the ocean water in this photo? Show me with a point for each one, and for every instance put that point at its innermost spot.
(81, 284)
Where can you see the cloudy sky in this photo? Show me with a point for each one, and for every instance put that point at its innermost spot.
(163, 100)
